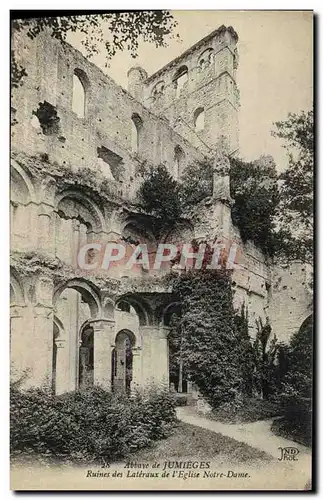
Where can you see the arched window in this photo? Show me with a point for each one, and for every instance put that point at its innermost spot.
(80, 86)
(199, 119)
(180, 79)
(179, 157)
(136, 127)
(205, 59)
(158, 90)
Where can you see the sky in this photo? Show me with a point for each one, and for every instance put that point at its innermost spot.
(274, 75)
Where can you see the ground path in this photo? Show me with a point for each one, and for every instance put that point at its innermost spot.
(258, 435)
(255, 434)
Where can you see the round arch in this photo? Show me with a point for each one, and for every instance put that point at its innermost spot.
(58, 328)
(17, 295)
(88, 291)
(167, 312)
(21, 179)
(206, 58)
(182, 70)
(142, 308)
(75, 204)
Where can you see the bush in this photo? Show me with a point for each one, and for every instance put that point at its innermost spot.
(246, 409)
(295, 397)
(210, 346)
(90, 425)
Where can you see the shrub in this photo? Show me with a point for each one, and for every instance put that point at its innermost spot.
(254, 188)
(296, 395)
(197, 183)
(92, 424)
(159, 196)
(210, 346)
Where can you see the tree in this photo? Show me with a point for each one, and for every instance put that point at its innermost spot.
(265, 355)
(254, 188)
(296, 394)
(197, 183)
(159, 196)
(125, 29)
(295, 216)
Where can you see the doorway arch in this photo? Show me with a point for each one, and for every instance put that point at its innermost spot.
(122, 361)
(86, 357)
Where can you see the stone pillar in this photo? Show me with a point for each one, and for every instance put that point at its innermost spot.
(61, 372)
(163, 332)
(17, 345)
(41, 348)
(136, 368)
(45, 229)
(104, 331)
(75, 241)
(155, 355)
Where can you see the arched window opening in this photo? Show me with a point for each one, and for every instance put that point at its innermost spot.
(136, 128)
(180, 79)
(86, 363)
(122, 360)
(158, 90)
(199, 117)
(205, 60)
(123, 306)
(80, 85)
(179, 157)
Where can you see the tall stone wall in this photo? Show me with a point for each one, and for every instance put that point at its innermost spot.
(210, 86)
(107, 123)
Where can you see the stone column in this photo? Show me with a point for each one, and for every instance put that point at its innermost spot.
(45, 228)
(104, 331)
(41, 347)
(136, 368)
(163, 332)
(17, 347)
(75, 241)
(155, 355)
(61, 372)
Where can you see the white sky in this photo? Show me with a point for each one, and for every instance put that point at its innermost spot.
(275, 71)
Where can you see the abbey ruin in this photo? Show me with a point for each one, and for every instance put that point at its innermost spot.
(79, 141)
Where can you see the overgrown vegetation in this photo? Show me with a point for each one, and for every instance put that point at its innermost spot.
(197, 183)
(255, 192)
(159, 195)
(88, 425)
(125, 28)
(253, 187)
(295, 215)
(209, 346)
(295, 397)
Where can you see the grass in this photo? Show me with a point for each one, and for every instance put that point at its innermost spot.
(188, 442)
(191, 442)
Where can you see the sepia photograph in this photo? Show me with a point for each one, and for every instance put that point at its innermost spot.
(161, 250)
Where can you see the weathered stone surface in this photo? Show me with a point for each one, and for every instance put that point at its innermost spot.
(74, 180)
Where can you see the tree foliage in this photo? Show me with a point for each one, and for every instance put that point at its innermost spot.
(246, 355)
(270, 360)
(295, 216)
(296, 395)
(197, 183)
(254, 189)
(159, 195)
(209, 343)
(125, 29)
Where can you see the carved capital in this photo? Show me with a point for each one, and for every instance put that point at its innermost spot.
(60, 343)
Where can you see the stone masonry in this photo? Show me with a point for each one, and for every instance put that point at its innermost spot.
(79, 142)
